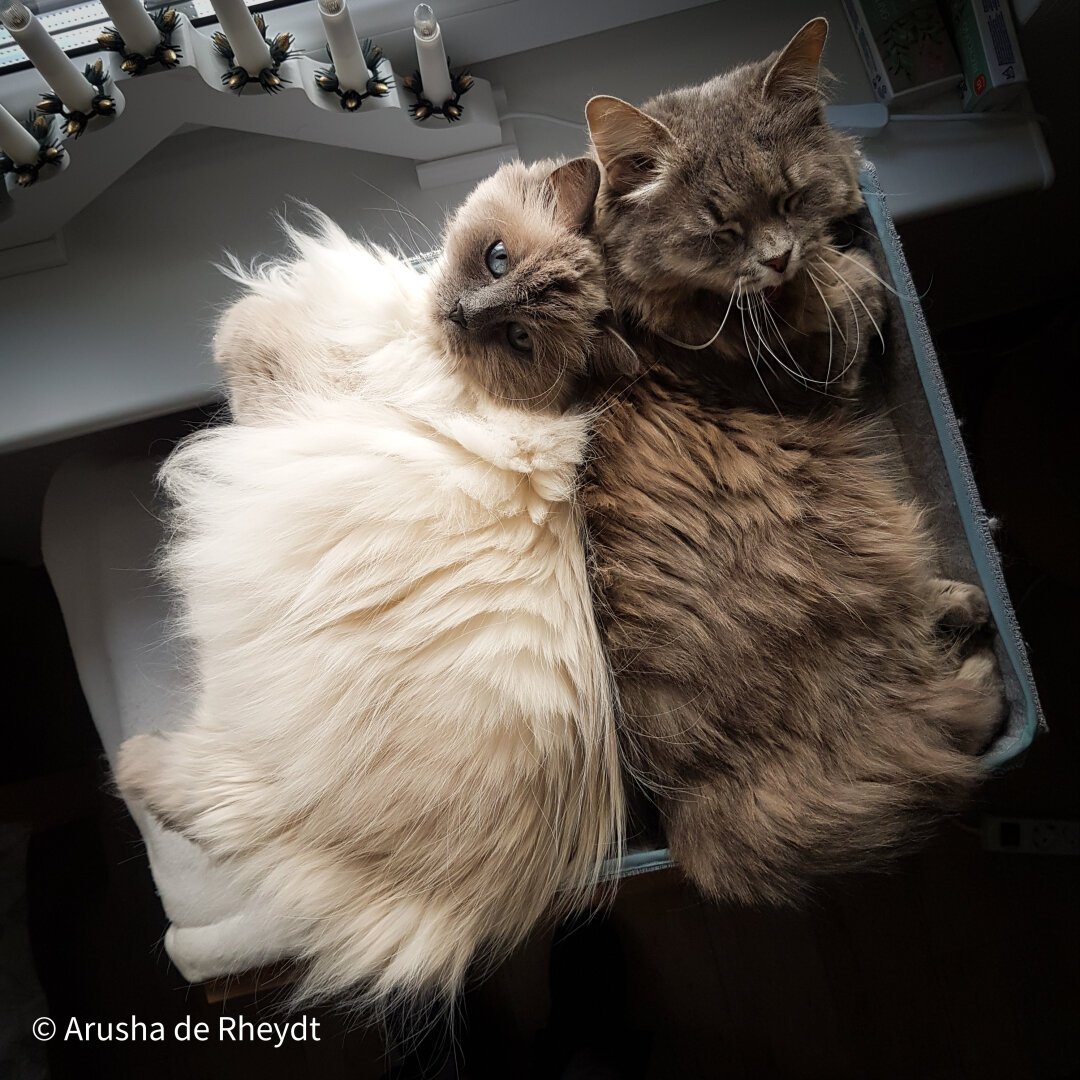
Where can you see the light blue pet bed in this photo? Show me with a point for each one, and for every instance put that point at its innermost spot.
(909, 387)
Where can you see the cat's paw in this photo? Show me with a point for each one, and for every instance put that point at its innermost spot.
(137, 765)
(976, 726)
(960, 606)
(866, 281)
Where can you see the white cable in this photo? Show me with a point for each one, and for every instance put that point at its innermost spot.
(545, 117)
(914, 118)
(1001, 117)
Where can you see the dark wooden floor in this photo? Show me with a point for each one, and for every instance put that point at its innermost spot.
(960, 964)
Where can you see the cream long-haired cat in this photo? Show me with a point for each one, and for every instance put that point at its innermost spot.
(403, 734)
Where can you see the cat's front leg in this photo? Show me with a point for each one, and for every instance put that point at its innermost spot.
(958, 605)
(270, 354)
(973, 702)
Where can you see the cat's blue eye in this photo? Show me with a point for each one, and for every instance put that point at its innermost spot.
(498, 259)
(518, 337)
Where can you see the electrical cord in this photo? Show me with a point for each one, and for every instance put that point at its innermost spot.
(547, 117)
(1001, 117)
(913, 118)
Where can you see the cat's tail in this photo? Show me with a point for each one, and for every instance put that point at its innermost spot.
(436, 877)
(360, 928)
(370, 942)
(410, 924)
(766, 837)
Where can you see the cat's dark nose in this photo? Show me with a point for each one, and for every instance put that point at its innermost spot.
(458, 315)
(779, 264)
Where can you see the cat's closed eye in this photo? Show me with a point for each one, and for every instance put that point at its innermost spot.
(720, 225)
(497, 259)
(789, 203)
(518, 337)
(727, 234)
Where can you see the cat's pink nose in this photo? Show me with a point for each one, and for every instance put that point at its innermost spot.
(457, 315)
(779, 264)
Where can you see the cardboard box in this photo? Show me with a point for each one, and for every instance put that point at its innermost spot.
(985, 40)
(906, 48)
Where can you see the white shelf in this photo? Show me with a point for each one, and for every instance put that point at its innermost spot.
(932, 168)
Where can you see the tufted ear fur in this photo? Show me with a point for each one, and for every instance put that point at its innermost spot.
(796, 71)
(627, 142)
(575, 185)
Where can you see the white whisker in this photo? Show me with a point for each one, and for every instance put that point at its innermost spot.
(762, 342)
(742, 320)
(854, 292)
(807, 380)
(876, 277)
(847, 366)
(719, 330)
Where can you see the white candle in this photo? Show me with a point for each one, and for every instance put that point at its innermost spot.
(250, 50)
(16, 141)
(134, 25)
(349, 67)
(63, 77)
(431, 56)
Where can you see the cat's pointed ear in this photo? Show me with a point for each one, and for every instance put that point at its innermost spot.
(796, 71)
(575, 185)
(611, 356)
(627, 142)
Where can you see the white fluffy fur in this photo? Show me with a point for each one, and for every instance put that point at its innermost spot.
(404, 733)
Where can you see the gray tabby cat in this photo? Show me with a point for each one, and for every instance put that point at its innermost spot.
(790, 697)
(720, 201)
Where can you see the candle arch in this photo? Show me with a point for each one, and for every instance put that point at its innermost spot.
(177, 37)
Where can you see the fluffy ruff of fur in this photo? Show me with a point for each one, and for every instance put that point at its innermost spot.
(404, 733)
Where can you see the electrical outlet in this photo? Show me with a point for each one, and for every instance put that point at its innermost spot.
(1031, 836)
